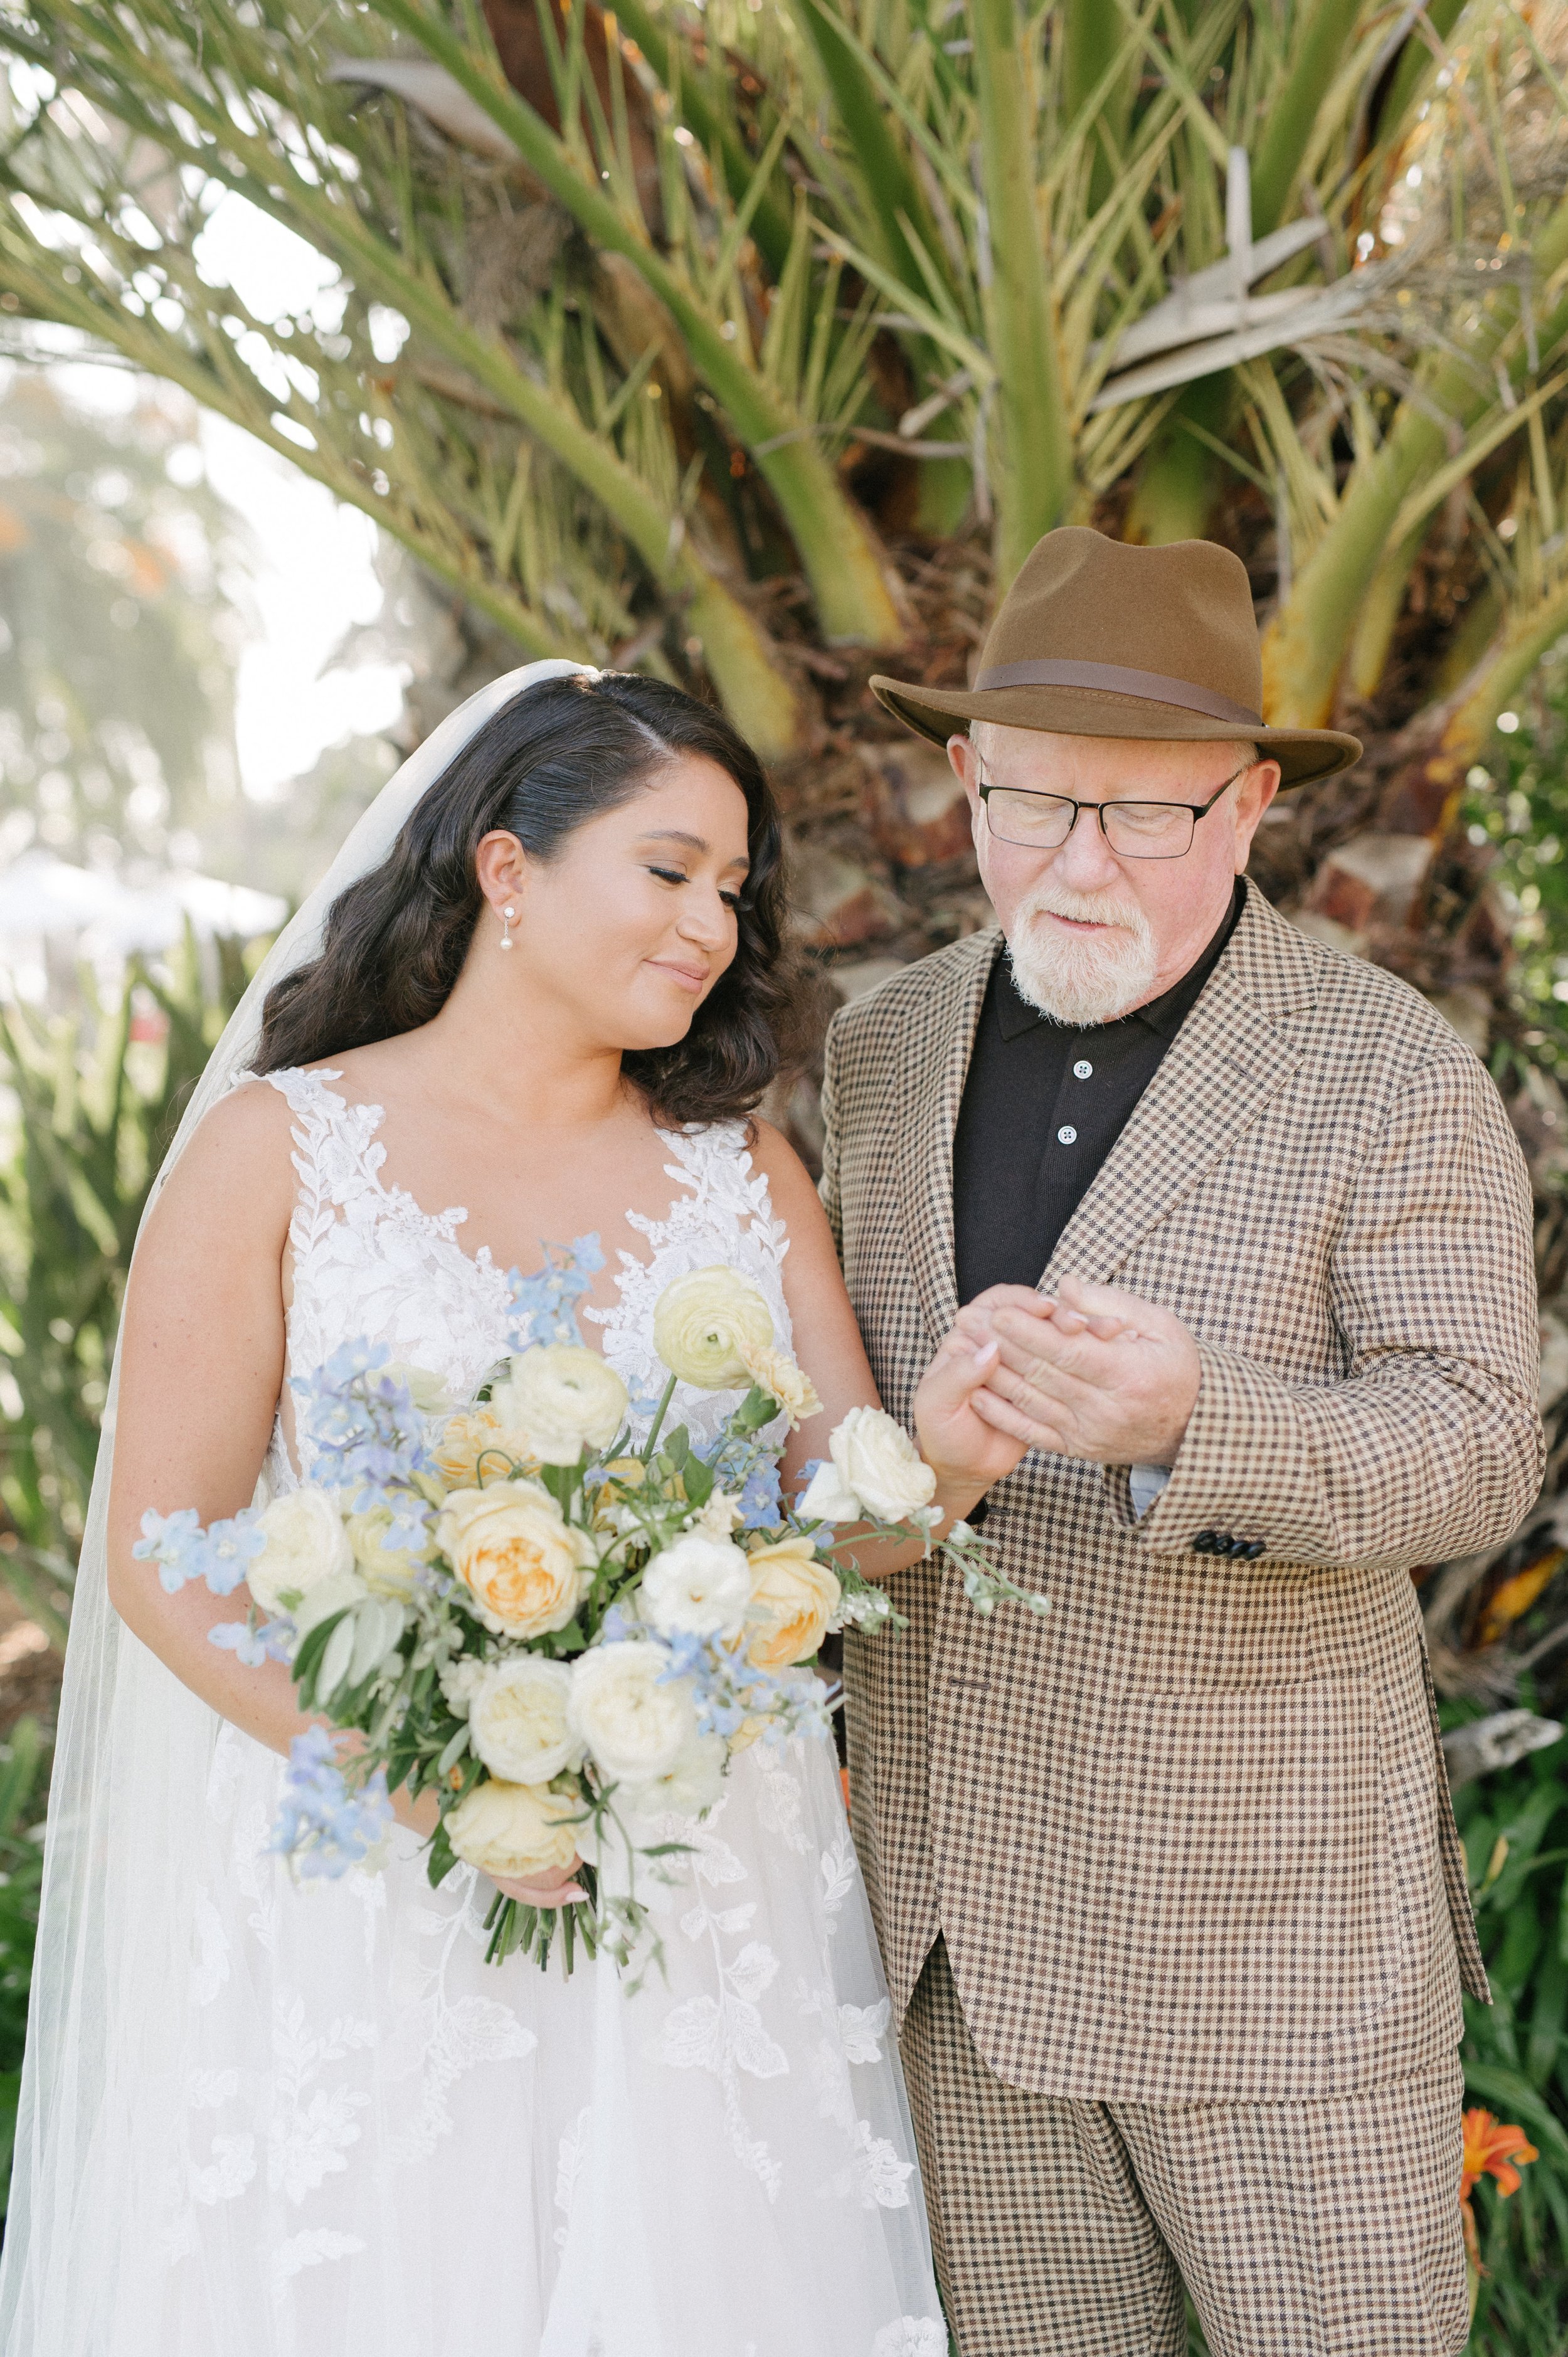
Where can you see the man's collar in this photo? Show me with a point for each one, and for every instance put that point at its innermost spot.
(1164, 1016)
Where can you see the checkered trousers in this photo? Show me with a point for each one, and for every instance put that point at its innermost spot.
(1319, 2229)
(1189, 1835)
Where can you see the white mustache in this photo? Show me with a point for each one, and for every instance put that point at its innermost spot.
(1087, 907)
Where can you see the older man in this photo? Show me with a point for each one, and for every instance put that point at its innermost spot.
(1168, 1883)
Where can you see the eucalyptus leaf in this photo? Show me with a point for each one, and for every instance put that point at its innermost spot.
(335, 1660)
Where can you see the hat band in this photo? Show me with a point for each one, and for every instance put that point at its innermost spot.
(1112, 679)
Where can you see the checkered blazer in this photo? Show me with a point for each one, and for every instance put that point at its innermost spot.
(1189, 1835)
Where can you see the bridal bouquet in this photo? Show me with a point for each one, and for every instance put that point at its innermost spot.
(563, 1637)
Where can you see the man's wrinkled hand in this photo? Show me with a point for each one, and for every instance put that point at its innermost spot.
(1091, 1372)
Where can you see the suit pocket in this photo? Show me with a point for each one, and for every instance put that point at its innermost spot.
(1250, 1889)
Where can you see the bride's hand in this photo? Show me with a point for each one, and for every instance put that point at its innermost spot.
(963, 1451)
(555, 1890)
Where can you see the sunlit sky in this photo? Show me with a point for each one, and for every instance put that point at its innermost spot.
(314, 573)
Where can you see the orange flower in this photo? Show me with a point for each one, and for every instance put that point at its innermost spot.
(1490, 2148)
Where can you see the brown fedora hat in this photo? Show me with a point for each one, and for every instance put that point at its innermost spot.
(1097, 638)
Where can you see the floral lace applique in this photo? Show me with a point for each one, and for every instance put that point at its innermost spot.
(369, 1259)
(726, 1217)
(723, 2031)
(911, 2336)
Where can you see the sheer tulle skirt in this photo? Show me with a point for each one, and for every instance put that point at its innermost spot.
(371, 2144)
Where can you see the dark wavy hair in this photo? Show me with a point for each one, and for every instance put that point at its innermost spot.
(554, 757)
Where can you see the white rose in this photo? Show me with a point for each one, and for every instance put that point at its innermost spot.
(697, 1586)
(634, 1719)
(691, 1785)
(825, 1498)
(702, 1322)
(873, 1468)
(557, 1399)
(517, 1719)
(306, 1544)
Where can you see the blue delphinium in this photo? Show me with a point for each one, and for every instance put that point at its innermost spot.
(323, 1827)
(184, 1551)
(543, 1307)
(368, 1436)
(274, 1641)
(727, 1690)
(761, 1501)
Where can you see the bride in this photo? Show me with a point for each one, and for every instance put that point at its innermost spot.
(532, 999)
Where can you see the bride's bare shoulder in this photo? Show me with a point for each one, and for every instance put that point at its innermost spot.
(790, 1186)
(237, 1160)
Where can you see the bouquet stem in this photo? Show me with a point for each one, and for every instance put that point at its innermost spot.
(511, 1925)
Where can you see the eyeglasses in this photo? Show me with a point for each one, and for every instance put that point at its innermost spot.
(1134, 830)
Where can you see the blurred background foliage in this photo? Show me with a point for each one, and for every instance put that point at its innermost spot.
(118, 637)
(752, 344)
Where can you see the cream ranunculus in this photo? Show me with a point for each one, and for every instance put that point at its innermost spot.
(794, 1596)
(386, 1571)
(702, 1322)
(306, 1544)
(774, 1371)
(473, 1447)
(696, 1587)
(628, 1713)
(517, 1830)
(517, 1718)
(557, 1399)
(873, 1465)
(526, 1569)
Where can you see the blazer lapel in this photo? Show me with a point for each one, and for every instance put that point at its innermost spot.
(937, 1040)
(1231, 1056)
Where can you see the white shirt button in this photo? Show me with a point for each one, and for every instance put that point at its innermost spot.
(1067, 1135)
(1083, 1070)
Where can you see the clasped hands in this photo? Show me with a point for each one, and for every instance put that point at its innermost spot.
(1088, 1371)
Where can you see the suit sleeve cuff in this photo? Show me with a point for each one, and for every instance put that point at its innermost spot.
(1240, 1484)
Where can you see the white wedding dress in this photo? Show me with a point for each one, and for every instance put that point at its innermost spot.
(377, 2145)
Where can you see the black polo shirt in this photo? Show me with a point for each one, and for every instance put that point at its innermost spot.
(1043, 1106)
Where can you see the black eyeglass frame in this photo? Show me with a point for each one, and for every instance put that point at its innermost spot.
(1195, 811)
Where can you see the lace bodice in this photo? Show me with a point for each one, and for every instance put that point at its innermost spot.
(370, 1263)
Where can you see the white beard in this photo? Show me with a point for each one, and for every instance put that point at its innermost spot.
(1080, 979)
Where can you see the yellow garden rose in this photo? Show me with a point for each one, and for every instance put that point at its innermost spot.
(473, 1448)
(518, 1830)
(793, 1598)
(526, 1569)
(704, 1322)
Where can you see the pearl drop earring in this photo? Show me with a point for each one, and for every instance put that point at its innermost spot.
(506, 915)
